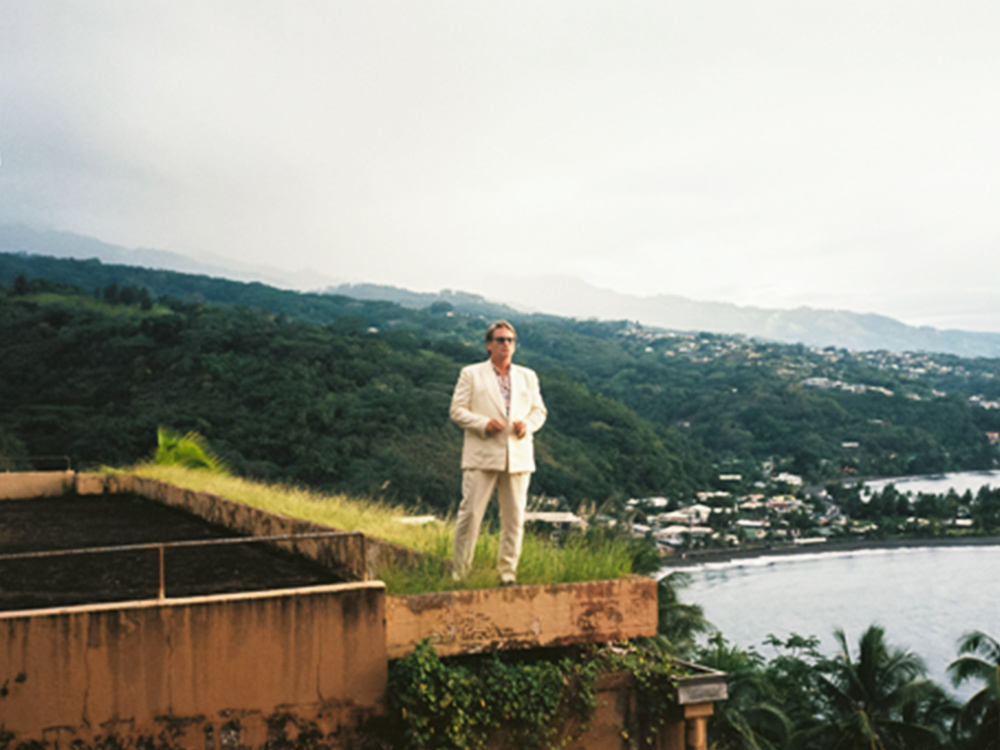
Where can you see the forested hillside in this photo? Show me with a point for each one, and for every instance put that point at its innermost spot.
(352, 395)
(333, 406)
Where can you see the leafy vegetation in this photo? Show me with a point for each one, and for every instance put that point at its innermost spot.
(979, 662)
(925, 515)
(876, 697)
(522, 700)
(462, 703)
(190, 450)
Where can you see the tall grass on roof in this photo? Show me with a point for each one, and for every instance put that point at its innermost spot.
(577, 557)
(337, 511)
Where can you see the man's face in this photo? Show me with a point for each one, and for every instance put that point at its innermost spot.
(501, 345)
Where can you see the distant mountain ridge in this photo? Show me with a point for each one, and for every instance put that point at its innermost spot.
(17, 238)
(553, 295)
(474, 304)
(805, 325)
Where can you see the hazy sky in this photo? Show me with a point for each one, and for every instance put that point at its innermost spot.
(830, 153)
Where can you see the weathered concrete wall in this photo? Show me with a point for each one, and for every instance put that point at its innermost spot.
(23, 485)
(463, 622)
(226, 672)
(207, 666)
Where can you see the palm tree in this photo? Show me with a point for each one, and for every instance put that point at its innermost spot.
(979, 718)
(679, 624)
(879, 701)
(190, 450)
(751, 718)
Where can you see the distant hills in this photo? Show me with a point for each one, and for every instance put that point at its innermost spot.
(21, 239)
(554, 295)
(804, 325)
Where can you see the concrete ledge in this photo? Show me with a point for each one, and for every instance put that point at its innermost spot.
(465, 622)
(23, 485)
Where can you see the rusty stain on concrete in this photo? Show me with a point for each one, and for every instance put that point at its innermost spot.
(561, 614)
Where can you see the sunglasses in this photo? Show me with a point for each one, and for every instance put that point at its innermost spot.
(504, 339)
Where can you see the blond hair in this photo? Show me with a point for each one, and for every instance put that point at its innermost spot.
(499, 324)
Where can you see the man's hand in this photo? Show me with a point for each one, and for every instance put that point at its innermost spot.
(495, 427)
(520, 429)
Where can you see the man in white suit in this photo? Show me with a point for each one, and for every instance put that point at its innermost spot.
(500, 407)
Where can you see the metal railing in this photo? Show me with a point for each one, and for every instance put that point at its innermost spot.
(161, 547)
(35, 463)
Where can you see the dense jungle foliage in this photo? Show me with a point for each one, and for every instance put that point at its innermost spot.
(353, 396)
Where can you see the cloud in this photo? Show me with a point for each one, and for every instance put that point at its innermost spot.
(765, 153)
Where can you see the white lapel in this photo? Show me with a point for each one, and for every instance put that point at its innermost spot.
(493, 387)
(515, 383)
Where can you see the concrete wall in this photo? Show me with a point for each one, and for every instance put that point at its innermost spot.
(210, 666)
(463, 622)
(24, 485)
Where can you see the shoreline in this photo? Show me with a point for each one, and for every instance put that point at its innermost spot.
(694, 558)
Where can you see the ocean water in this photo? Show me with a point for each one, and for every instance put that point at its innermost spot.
(924, 597)
(939, 484)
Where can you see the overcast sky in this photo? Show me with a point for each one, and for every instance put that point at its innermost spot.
(830, 153)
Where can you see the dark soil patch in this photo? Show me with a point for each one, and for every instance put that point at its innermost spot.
(74, 522)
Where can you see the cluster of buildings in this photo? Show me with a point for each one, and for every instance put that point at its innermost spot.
(840, 385)
(907, 366)
(719, 518)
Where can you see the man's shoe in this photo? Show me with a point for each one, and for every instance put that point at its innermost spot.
(508, 582)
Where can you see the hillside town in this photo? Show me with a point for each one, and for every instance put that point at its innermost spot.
(782, 512)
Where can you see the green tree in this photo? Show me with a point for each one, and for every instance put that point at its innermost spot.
(679, 624)
(877, 701)
(752, 717)
(979, 719)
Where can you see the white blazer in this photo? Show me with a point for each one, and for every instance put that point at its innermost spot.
(477, 400)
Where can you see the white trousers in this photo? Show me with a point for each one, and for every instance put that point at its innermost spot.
(512, 494)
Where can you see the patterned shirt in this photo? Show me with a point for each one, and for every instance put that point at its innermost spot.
(503, 379)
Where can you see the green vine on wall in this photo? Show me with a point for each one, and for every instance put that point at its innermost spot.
(468, 702)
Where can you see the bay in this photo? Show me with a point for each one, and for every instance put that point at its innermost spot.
(938, 484)
(924, 597)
